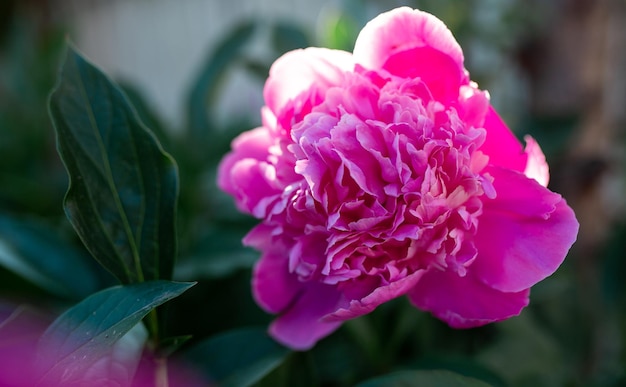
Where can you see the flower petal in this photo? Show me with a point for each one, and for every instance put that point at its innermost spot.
(273, 287)
(378, 296)
(501, 145)
(524, 233)
(244, 173)
(536, 167)
(252, 144)
(300, 326)
(411, 43)
(296, 71)
(464, 302)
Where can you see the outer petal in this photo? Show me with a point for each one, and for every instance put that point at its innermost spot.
(465, 302)
(505, 150)
(536, 166)
(245, 174)
(300, 327)
(378, 296)
(273, 287)
(298, 70)
(253, 186)
(412, 43)
(501, 145)
(523, 234)
(253, 144)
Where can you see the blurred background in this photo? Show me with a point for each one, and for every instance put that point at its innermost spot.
(194, 70)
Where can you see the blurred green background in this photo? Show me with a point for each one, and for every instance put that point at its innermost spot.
(194, 71)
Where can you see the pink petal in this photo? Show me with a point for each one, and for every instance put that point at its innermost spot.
(411, 43)
(296, 71)
(473, 105)
(245, 174)
(273, 287)
(300, 327)
(253, 185)
(464, 302)
(252, 144)
(379, 295)
(501, 145)
(523, 234)
(536, 167)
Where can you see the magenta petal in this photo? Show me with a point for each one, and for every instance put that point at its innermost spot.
(403, 29)
(253, 186)
(245, 174)
(536, 167)
(412, 43)
(300, 327)
(501, 145)
(252, 144)
(473, 105)
(464, 302)
(524, 233)
(437, 70)
(296, 71)
(273, 287)
(379, 296)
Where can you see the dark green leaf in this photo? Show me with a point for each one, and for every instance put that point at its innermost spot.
(123, 186)
(85, 333)
(527, 351)
(219, 254)
(423, 379)
(206, 84)
(172, 344)
(287, 36)
(237, 358)
(146, 113)
(466, 366)
(40, 256)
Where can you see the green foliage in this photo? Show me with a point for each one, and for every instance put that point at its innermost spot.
(123, 186)
(87, 332)
(203, 93)
(36, 253)
(29, 165)
(237, 358)
(423, 379)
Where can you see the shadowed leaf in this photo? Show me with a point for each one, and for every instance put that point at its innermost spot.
(37, 254)
(123, 187)
(86, 333)
(423, 379)
(237, 358)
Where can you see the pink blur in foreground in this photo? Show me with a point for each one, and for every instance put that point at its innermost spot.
(384, 173)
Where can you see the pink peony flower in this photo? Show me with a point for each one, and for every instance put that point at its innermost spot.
(387, 172)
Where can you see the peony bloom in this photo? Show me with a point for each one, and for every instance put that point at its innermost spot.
(387, 172)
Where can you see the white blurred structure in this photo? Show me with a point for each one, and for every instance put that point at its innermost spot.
(158, 45)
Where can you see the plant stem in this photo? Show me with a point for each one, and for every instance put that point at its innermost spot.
(152, 322)
(160, 372)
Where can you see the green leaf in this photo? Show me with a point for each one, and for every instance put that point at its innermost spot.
(237, 358)
(227, 52)
(86, 333)
(287, 36)
(463, 365)
(437, 378)
(219, 254)
(39, 255)
(123, 187)
(340, 25)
